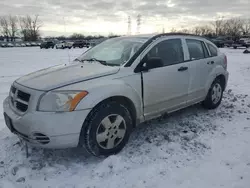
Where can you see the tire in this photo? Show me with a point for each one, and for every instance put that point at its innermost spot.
(214, 96)
(109, 112)
(235, 47)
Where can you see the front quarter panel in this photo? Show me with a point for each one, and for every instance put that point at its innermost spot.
(103, 88)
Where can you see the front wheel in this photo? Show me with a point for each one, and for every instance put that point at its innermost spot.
(107, 129)
(214, 95)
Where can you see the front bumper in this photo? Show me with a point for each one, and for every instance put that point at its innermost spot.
(47, 129)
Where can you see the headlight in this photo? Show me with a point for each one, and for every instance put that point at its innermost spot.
(61, 101)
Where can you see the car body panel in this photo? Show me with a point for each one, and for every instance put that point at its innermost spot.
(153, 92)
(65, 74)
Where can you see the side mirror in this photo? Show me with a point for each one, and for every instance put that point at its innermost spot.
(151, 63)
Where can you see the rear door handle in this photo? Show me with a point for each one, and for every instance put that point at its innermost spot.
(183, 69)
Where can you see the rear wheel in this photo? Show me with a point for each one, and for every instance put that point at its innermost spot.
(107, 129)
(235, 47)
(214, 95)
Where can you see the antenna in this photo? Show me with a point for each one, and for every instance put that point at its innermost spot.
(138, 23)
(129, 25)
(65, 35)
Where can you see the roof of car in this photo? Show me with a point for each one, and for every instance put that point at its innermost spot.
(156, 35)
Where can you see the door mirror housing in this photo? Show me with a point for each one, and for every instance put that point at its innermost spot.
(151, 63)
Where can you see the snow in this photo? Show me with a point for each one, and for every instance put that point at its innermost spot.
(192, 148)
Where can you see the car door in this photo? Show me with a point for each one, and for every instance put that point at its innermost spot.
(200, 66)
(165, 88)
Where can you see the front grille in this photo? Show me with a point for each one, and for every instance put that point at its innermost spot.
(23, 96)
(19, 99)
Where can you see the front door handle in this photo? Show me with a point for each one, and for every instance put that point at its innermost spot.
(183, 69)
(210, 62)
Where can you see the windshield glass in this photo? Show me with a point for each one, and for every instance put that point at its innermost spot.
(115, 51)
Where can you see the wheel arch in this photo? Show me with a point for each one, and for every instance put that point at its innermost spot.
(222, 78)
(218, 73)
(127, 102)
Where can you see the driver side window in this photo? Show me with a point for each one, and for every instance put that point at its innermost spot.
(169, 51)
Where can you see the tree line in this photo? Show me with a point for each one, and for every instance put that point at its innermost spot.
(26, 27)
(234, 27)
(79, 36)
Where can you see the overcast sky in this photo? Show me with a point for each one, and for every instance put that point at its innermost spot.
(106, 16)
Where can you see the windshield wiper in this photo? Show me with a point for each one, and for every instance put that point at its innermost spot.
(93, 59)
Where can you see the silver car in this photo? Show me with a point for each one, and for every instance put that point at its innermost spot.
(98, 99)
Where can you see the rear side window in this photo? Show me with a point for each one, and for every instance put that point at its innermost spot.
(196, 49)
(212, 50)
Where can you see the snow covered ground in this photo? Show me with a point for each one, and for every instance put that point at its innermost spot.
(192, 148)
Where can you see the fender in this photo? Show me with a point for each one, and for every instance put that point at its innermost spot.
(104, 88)
(218, 70)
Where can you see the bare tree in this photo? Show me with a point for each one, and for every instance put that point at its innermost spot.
(233, 27)
(13, 27)
(5, 28)
(184, 30)
(173, 30)
(246, 26)
(196, 30)
(30, 27)
(218, 26)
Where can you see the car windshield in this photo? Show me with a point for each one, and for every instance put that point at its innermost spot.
(115, 51)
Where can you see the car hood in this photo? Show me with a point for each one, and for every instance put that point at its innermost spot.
(61, 75)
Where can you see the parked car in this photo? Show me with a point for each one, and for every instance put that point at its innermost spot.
(81, 44)
(97, 100)
(3, 45)
(33, 44)
(63, 45)
(9, 45)
(17, 45)
(242, 42)
(27, 44)
(48, 44)
(222, 41)
(23, 45)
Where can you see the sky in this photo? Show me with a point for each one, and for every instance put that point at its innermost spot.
(64, 17)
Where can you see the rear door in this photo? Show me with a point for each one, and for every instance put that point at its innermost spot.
(200, 66)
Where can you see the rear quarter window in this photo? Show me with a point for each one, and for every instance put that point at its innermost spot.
(213, 50)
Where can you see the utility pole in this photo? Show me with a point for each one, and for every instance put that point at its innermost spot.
(138, 20)
(163, 29)
(129, 25)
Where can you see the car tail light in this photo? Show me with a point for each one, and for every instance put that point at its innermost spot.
(225, 62)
